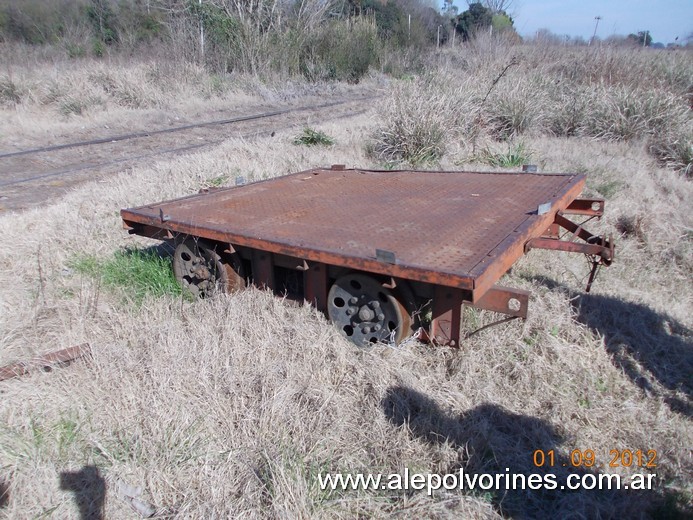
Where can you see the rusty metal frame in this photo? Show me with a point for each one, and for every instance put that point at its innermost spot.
(263, 269)
(482, 277)
(506, 300)
(474, 284)
(315, 285)
(509, 251)
(447, 316)
(591, 207)
(593, 245)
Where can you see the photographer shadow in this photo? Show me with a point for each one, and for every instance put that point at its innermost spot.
(499, 443)
(4, 493)
(653, 349)
(89, 488)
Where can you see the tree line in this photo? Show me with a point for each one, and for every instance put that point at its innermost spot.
(320, 39)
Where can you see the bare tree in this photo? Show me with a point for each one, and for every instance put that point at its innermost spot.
(498, 5)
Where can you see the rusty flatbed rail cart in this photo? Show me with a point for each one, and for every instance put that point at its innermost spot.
(382, 253)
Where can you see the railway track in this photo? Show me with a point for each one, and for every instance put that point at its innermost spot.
(34, 176)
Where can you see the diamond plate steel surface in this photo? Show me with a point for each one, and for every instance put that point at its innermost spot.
(456, 224)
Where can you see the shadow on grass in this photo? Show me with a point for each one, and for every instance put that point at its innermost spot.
(649, 347)
(89, 488)
(4, 493)
(163, 250)
(500, 443)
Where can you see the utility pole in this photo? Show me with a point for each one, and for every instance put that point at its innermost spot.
(409, 33)
(594, 35)
(644, 39)
(438, 44)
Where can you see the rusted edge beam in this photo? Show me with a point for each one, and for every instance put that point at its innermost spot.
(591, 207)
(506, 300)
(371, 265)
(44, 362)
(145, 230)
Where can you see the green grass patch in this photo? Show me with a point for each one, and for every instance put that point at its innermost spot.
(216, 182)
(516, 155)
(139, 273)
(72, 107)
(310, 137)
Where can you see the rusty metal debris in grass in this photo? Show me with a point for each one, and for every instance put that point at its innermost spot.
(45, 362)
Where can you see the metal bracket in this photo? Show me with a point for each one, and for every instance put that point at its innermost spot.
(382, 255)
(590, 207)
(506, 300)
(162, 217)
(544, 208)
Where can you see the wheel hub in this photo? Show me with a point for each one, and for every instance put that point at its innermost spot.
(199, 268)
(366, 312)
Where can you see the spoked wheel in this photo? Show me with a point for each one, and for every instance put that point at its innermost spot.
(366, 312)
(200, 268)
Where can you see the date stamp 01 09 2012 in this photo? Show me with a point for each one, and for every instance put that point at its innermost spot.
(588, 459)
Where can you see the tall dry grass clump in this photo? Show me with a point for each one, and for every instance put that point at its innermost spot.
(418, 116)
(602, 93)
(422, 118)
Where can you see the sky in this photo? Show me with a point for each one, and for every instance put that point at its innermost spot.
(665, 19)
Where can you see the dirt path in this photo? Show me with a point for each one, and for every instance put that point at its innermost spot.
(34, 176)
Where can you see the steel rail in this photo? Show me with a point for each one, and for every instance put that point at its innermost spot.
(187, 148)
(218, 122)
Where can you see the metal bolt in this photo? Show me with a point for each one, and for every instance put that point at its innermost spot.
(365, 314)
(377, 327)
(381, 317)
(353, 300)
(366, 330)
(350, 311)
(375, 304)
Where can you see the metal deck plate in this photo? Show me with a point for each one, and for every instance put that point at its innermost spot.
(460, 229)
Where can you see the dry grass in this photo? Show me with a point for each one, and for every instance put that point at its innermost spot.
(231, 406)
(46, 99)
(483, 94)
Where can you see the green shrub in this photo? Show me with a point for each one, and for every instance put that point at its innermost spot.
(72, 106)
(98, 48)
(341, 51)
(310, 137)
(516, 155)
(74, 50)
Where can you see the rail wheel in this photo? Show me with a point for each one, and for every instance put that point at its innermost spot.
(366, 312)
(201, 269)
